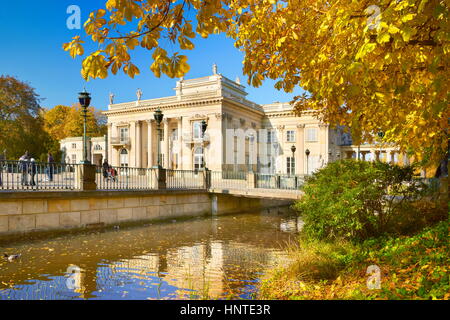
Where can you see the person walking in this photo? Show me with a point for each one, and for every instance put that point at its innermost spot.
(105, 167)
(23, 167)
(50, 169)
(32, 171)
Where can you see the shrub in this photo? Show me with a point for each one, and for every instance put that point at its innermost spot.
(358, 200)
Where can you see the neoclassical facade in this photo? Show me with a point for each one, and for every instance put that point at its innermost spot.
(241, 135)
(72, 150)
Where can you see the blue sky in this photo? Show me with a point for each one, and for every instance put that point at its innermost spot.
(33, 32)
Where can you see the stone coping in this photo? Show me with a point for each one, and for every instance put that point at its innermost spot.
(13, 195)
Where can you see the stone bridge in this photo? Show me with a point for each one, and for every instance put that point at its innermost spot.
(83, 196)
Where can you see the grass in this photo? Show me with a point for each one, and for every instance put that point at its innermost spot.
(412, 267)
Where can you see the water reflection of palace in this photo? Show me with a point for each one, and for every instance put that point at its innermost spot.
(206, 258)
(208, 269)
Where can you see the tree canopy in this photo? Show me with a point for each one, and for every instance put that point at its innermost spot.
(63, 121)
(20, 119)
(26, 126)
(369, 65)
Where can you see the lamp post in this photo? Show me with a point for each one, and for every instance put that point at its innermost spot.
(204, 126)
(381, 136)
(85, 99)
(158, 118)
(293, 148)
(307, 152)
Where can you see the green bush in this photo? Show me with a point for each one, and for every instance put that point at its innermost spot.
(359, 200)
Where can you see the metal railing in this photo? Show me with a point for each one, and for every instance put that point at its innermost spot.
(185, 179)
(125, 178)
(120, 141)
(279, 181)
(27, 175)
(229, 180)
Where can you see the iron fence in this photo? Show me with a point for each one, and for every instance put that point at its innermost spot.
(185, 179)
(125, 178)
(279, 181)
(229, 180)
(28, 175)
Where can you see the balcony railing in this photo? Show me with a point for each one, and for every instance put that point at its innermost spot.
(118, 141)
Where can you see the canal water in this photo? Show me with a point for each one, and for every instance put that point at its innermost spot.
(214, 257)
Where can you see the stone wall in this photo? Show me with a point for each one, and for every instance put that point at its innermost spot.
(23, 212)
(20, 212)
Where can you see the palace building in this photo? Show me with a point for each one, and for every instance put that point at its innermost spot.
(241, 135)
(72, 150)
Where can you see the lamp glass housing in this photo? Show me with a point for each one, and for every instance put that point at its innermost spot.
(85, 99)
(158, 116)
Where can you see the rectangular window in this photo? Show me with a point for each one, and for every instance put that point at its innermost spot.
(290, 136)
(197, 129)
(74, 145)
(271, 138)
(174, 134)
(161, 135)
(123, 134)
(290, 165)
(311, 134)
(74, 158)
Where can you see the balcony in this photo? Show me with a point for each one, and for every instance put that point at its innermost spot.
(120, 142)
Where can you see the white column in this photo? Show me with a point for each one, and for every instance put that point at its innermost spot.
(138, 144)
(180, 142)
(133, 153)
(165, 150)
(281, 153)
(300, 152)
(150, 143)
(108, 147)
(323, 128)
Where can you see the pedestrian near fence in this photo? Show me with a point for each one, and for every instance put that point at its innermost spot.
(23, 167)
(50, 169)
(32, 171)
(105, 167)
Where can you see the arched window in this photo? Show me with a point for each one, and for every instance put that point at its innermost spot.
(124, 158)
(198, 158)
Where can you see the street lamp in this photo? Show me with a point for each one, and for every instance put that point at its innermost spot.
(85, 99)
(293, 148)
(204, 126)
(158, 118)
(307, 152)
